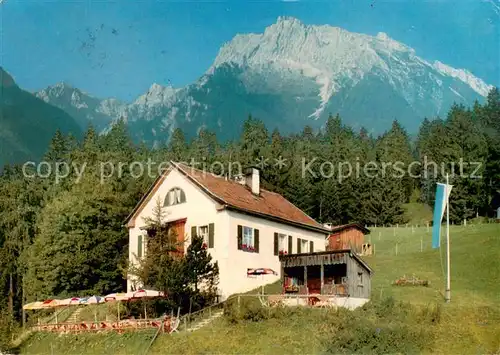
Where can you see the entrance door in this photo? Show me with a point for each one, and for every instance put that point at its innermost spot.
(178, 229)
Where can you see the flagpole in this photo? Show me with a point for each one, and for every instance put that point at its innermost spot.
(448, 287)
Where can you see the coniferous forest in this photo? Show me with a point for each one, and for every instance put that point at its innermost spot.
(67, 237)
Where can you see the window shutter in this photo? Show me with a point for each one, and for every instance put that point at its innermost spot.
(299, 242)
(290, 244)
(240, 236)
(193, 232)
(211, 235)
(311, 247)
(256, 240)
(276, 244)
(139, 246)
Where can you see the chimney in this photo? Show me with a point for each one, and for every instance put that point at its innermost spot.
(252, 180)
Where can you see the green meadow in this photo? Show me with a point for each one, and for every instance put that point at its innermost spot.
(399, 319)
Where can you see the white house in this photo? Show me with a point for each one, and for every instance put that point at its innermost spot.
(244, 226)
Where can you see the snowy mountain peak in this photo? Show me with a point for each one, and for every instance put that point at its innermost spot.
(289, 75)
(157, 94)
(289, 51)
(465, 76)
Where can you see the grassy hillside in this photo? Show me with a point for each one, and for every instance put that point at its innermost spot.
(469, 324)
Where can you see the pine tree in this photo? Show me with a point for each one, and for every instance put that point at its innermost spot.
(177, 145)
(199, 267)
(254, 140)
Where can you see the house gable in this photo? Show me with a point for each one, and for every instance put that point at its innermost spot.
(173, 181)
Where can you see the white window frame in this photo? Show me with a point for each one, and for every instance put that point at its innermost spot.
(304, 248)
(282, 242)
(174, 197)
(248, 236)
(203, 232)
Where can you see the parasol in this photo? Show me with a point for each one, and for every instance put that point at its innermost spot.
(74, 301)
(91, 300)
(33, 305)
(117, 297)
(112, 297)
(261, 271)
(50, 304)
(143, 294)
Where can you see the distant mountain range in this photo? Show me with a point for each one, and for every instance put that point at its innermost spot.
(290, 76)
(27, 123)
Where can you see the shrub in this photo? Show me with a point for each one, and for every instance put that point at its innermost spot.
(8, 327)
(247, 309)
(379, 328)
(365, 336)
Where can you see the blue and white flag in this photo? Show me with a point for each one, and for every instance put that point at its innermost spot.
(442, 197)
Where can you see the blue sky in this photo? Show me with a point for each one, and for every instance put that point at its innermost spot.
(120, 48)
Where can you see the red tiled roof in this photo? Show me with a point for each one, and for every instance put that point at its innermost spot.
(239, 196)
(233, 195)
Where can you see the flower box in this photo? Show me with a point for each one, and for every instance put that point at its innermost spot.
(248, 248)
(292, 288)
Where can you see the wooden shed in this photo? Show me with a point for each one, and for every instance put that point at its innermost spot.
(347, 236)
(336, 272)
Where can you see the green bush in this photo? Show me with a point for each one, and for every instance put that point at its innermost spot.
(381, 327)
(8, 327)
(358, 335)
(246, 309)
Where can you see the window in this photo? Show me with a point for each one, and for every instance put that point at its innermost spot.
(360, 279)
(248, 239)
(283, 244)
(139, 246)
(203, 232)
(174, 197)
(304, 246)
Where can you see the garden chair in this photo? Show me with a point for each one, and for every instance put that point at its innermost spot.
(276, 300)
(174, 325)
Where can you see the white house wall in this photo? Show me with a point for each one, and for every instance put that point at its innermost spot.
(199, 210)
(235, 280)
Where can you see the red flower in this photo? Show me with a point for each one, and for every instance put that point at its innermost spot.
(204, 246)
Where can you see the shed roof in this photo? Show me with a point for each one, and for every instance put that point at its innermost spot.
(350, 252)
(342, 227)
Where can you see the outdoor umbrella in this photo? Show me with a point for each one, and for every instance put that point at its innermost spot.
(91, 301)
(33, 305)
(112, 297)
(261, 271)
(50, 304)
(144, 294)
(74, 301)
(47, 304)
(117, 297)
